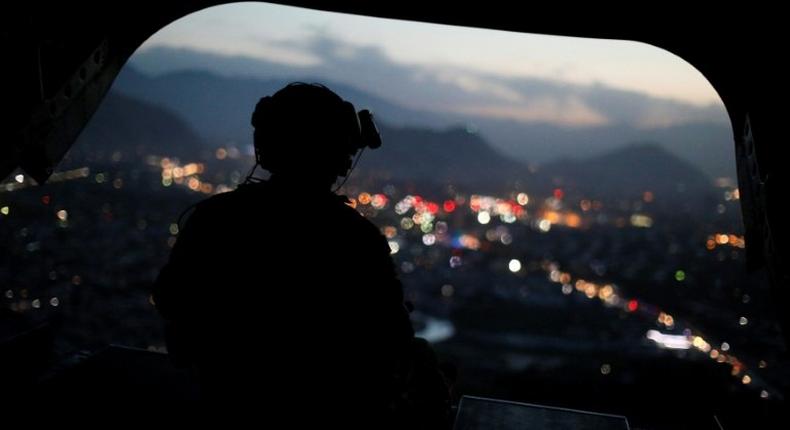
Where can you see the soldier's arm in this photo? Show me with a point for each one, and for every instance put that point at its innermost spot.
(391, 287)
(171, 288)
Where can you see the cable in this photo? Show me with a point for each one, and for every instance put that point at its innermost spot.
(250, 179)
(353, 166)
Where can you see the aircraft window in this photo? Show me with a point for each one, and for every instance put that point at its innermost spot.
(563, 213)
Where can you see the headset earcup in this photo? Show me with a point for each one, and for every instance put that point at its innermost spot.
(262, 135)
(354, 129)
(262, 112)
(369, 133)
(353, 140)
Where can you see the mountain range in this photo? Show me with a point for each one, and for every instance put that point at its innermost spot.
(413, 154)
(216, 92)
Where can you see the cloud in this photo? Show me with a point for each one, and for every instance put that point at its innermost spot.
(569, 112)
(451, 89)
(284, 52)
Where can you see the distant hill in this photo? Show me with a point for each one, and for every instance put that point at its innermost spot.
(453, 156)
(628, 172)
(132, 126)
(708, 146)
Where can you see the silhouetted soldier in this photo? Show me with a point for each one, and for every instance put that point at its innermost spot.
(285, 298)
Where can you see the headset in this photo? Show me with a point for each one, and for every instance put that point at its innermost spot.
(274, 123)
(357, 130)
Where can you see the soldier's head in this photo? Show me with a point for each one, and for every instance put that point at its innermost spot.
(309, 134)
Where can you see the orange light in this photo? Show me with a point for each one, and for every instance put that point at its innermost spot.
(552, 217)
(474, 203)
(572, 220)
(722, 239)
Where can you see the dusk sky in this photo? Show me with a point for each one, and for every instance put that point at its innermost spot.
(492, 68)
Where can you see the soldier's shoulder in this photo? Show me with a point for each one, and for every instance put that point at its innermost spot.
(363, 227)
(218, 206)
(243, 195)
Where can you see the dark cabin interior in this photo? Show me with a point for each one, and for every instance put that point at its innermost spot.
(62, 59)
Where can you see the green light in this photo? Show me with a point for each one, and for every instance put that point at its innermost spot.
(680, 275)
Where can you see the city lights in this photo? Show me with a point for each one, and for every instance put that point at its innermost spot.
(470, 241)
(670, 341)
(514, 265)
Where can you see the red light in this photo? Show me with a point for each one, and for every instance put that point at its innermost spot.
(45, 199)
(633, 305)
(379, 201)
(433, 208)
(449, 206)
(558, 193)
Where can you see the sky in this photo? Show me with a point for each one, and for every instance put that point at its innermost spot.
(274, 33)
